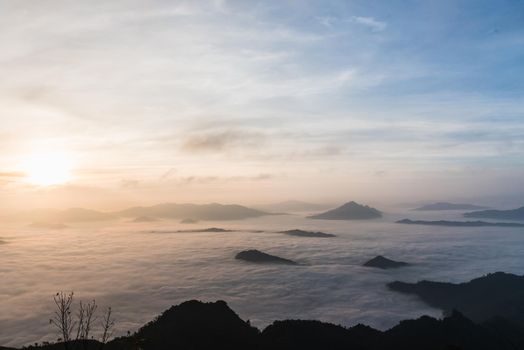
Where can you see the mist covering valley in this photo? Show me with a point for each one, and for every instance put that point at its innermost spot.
(141, 268)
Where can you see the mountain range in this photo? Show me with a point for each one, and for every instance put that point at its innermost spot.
(512, 214)
(196, 325)
(449, 206)
(213, 211)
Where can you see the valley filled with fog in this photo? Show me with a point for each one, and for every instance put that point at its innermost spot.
(142, 268)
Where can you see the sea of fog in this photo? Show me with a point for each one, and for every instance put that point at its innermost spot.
(140, 273)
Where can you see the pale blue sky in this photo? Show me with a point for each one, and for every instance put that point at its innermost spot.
(205, 100)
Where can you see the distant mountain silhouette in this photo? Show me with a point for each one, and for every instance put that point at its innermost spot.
(494, 295)
(301, 233)
(260, 257)
(292, 206)
(188, 221)
(210, 229)
(212, 211)
(349, 211)
(513, 214)
(144, 219)
(47, 226)
(195, 325)
(459, 223)
(67, 215)
(384, 263)
(449, 206)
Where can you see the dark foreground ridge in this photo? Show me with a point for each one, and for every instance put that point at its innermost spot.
(513, 214)
(257, 256)
(302, 233)
(459, 223)
(495, 295)
(384, 263)
(349, 211)
(195, 325)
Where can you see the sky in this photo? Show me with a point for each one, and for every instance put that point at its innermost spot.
(110, 103)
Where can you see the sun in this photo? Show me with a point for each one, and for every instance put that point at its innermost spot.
(47, 169)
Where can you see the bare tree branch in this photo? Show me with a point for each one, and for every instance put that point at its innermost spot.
(62, 318)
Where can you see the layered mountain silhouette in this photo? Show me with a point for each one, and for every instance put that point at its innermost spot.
(302, 233)
(513, 214)
(459, 223)
(292, 206)
(257, 256)
(449, 206)
(494, 295)
(67, 215)
(195, 325)
(349, 211)
(213, 211)
(384, 263)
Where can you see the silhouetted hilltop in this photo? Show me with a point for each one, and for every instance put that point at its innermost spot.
(302, 233)
(449, 206)
(195, 325)
(453, 332)
(513, 214)
(349, 211)
(459, 223)
(384, 263)
(212, 211)
(498, 294)
(307, 334)
(257, 256)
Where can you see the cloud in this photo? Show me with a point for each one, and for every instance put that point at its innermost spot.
(220, 141)
(370, 22)
(216, 179)
(154, 272)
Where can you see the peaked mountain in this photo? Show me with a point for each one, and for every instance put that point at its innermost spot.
(384, 263)
(257, 256)
(449, 206)
(349, 211)
(196, 325)
(512, 214)
(213, 211)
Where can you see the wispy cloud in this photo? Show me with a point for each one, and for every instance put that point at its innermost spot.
(220, 141)
(370, 22)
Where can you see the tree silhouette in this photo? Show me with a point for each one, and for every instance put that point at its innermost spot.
(62, 318)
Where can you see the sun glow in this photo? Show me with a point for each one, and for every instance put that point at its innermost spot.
(46, 169)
